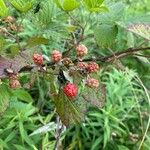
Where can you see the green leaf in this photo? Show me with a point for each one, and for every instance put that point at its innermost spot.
(20, 109)
(95, 5)
(59, 4)
(3, 9)
(130, 40)
(106, 34)
(2, 43)
(100, 9)
(44, 17)
(71, 28)
(122, 147)
(24, 135)
(19, 147)
(22, 95)
(11, 136)
(115, 13)
(70, 5)
(22, 5)
(96, 143)
(67, 110)
(67, 5)
(3, 144)
(14, 50)
(4, 98)
(34, 41)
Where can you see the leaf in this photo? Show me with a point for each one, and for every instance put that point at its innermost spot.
(59, 4)
(105, 34)
(100, 9)
(139, 19)
(144, 60)
(67, 110)
(4, 98)
(22, 95)
(130, 40)
(122, 147)
(96, 143)
(4, 63)
(34, 41)
(11, 136)
(24, 135)
(67, 76)
(2, 43)
(44, 129)
(23, 109)
(67, 5)
(70, 5)
(142, 30)
(19, 147)
(95, 6)
(71, 28)
(115, 13)
(44, 17)
(3, 144)
(16, 64)
(22, 5)
(3, 9)
(14, 50)
(93, 97)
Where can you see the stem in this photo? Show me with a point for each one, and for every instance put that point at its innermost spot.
(76, 41)
(104, 59)
(117, 55)
(58, 133)
(17, 36)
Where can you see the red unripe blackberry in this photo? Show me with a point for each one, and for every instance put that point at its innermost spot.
(81, 50)
(82, 65)
(38, 59)
(70, 90)
(92, 67)
(92, 83)
(56, 56)
(14, 84)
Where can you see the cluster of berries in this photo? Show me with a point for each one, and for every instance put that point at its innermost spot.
(90, 67)
(14, 81)
(70, 89)
(10, 25)
(38, 59)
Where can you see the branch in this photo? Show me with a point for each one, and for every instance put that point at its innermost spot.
(117, 55)
(5, 64)
(104, 59)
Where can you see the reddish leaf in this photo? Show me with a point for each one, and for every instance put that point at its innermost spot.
(14, 64)
(4, 64)
(94, 97)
